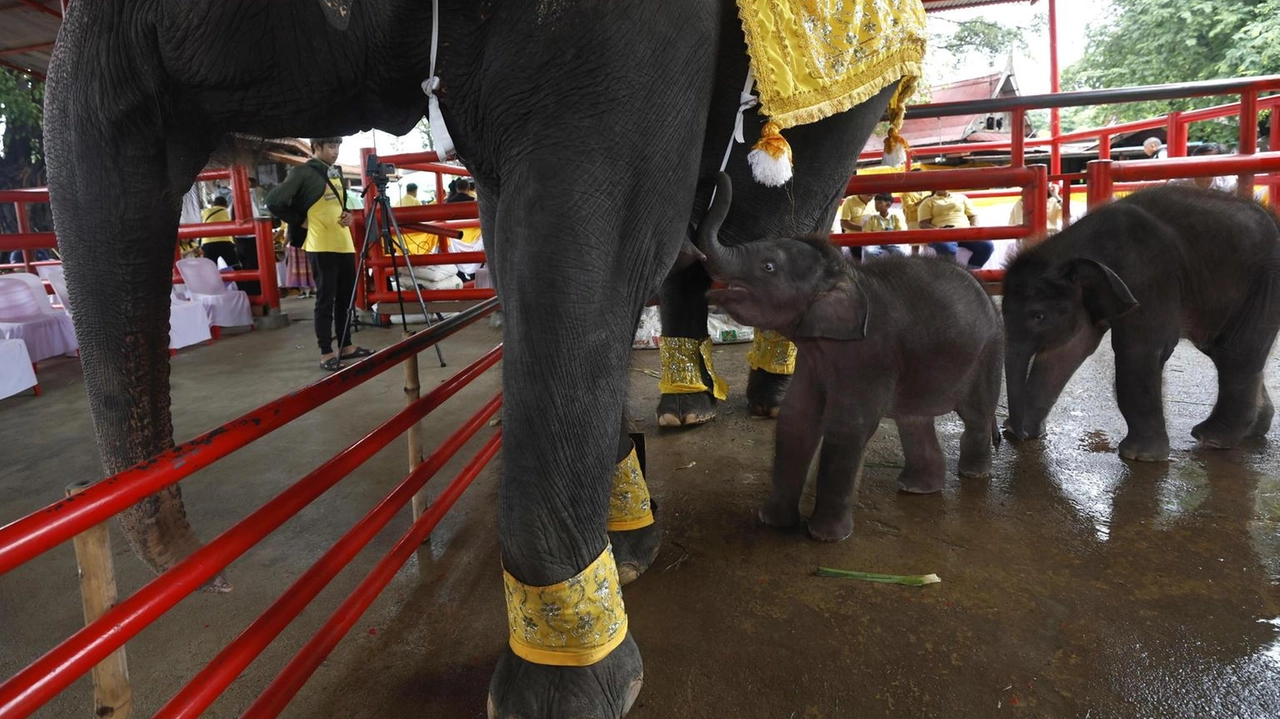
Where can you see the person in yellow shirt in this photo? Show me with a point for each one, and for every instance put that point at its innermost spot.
(419, 243)
(852, 211)
(946, 209)
(882, 220)
(222, 246)
(312, 199)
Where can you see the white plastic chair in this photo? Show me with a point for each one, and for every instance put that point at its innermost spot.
(188, 324)
(25, 314)
(226, 308)
(16, 371)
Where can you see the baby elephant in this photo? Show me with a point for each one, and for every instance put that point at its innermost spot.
(905, 338)
(1158, 265)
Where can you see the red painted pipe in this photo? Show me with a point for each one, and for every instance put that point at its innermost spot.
(440, 258)
(433, 295)
(979, 178)
(27, 241)
(33, 195)
(924, 237)
(1204, 166)
(215, 229)
(45, 529)
(206, 686)
(435, 213)
(277, 695)
(41, 680)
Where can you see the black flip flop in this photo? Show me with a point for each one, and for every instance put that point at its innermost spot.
(358, 353)
(333, 364)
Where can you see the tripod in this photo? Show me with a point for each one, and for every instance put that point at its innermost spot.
(383, 228)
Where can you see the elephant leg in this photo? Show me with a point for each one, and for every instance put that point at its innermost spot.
(1237, 409)
(1240, 354)
(772, 360)
(924, 468)
(688, 384)
(848, 425)
(634, 528)
(118, 258)
(798, 432)
(977, 409)
(1266, 411)
(1139, 372)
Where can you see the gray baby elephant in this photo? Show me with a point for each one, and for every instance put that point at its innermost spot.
(907, 338)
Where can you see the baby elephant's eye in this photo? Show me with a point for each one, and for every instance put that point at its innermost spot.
(1037, 317)
(768, 266)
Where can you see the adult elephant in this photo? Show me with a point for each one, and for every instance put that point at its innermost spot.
(593, 130)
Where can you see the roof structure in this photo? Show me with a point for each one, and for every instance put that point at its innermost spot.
(28, 29)
(935, 131)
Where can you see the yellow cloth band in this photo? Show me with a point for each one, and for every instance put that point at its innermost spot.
(681, 371)
(629, 505)
(575, 623)
(812, 60)
(772, 352)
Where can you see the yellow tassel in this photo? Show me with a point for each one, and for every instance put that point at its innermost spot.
(895, 145)
(770, 158)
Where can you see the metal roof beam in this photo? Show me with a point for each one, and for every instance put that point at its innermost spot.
(25, 70)
(41, 7)
(28, 48)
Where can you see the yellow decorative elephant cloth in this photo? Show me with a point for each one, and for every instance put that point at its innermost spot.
(630, 506)
(816, 58)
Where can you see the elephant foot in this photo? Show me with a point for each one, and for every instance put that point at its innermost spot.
(976, 465)
(1145, 449)
(634, 550)
(765, 391)
(923, 482)
(685, 410)
(1262, 423)
(604, 690)
(1022, 434)
(779, 513)
(826, 527)
(1215, 434)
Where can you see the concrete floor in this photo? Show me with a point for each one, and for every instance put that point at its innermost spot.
(1074, 584)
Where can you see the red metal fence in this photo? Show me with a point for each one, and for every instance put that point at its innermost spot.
(40, 531)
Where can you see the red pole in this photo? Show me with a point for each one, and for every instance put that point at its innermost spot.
(206, 686)
(1177, 144)
(1273, 145)
(267, 266)
(1104, 146)
(1098, 181)
(1055, 119)
(40, 681)
(1248, 138)
(1017, 149)
(277, 695)
(1037, 214)
(24, 227)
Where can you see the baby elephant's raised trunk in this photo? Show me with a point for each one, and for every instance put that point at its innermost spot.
(719, 259)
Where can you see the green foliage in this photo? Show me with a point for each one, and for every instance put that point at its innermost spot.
(21, 98)
(1150, 42)
(958, 40)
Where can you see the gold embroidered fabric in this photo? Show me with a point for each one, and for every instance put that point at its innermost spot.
(629, 505)
(772, 352)
(816, 58)
(681, 371)
(575, 623)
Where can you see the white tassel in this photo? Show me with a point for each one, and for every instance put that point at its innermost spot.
(770, 158)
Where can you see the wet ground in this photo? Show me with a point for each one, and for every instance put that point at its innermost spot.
(1074, 584)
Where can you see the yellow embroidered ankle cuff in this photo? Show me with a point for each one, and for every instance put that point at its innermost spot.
(575, 623)
(681, 370)
(629, 505)
(772, 352)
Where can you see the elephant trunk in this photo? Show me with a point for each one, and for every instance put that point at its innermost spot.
(1022, 422)
(720, 260)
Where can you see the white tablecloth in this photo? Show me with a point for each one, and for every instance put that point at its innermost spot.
(16, 373)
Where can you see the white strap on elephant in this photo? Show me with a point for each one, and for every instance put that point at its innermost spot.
(746, 101)
(439, 133)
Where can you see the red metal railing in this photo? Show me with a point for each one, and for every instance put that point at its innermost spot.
(28, 537)
(1103, 174)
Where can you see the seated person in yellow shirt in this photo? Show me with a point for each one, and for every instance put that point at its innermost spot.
(852, 211)
(951, 209)
(882, 221)
(222, 246)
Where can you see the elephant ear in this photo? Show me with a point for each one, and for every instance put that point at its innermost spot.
(337, 12)
(840, 313)
(1105, 295)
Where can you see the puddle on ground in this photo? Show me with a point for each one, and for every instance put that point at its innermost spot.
(1096, 441)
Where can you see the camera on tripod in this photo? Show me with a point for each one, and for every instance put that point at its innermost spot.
(379, 172)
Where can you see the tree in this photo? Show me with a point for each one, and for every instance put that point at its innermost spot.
(21, 155)
(1149, 42)
(954, 42)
